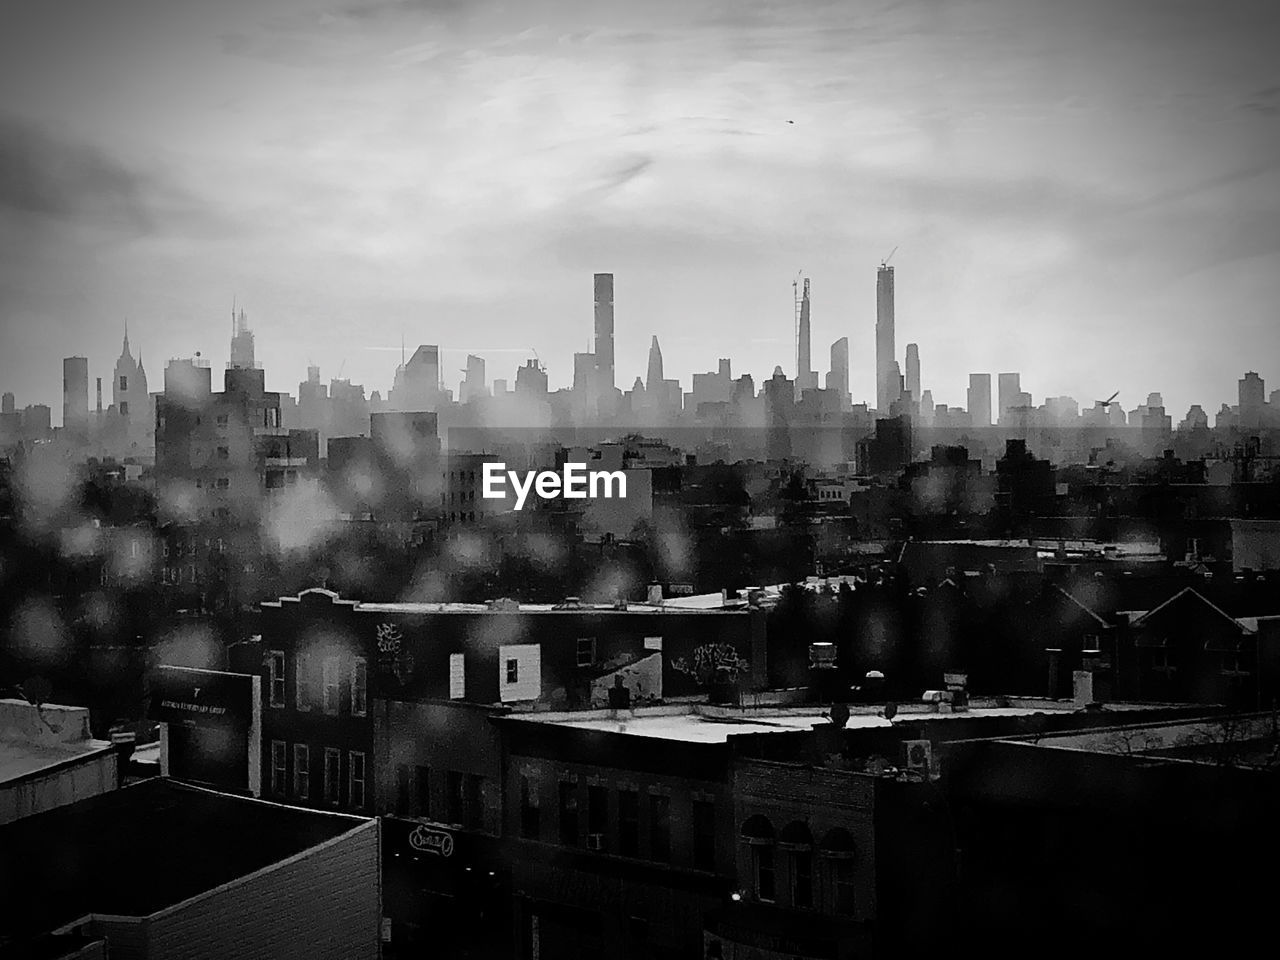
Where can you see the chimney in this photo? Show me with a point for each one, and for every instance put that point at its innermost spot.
(655, 593)
(1082, 688)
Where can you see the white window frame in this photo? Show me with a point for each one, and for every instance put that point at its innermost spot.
(457, 676)
(331, 681)
(359, 682)
(275, 677)
(302, 771)
(301, 669)
(356, 758)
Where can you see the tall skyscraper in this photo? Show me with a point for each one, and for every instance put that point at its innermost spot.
(1253, 398)
(1008, 390)
(887, 383)
(241, 341)
(913, 371)
(838, 378)
(653, 381)
(980, 399)
(474, 385)
(75, 397)
(604, 332)
(806, 379)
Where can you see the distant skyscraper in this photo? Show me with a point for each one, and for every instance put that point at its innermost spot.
(1253, 398)
(474, 386)
(75, 396)
(604, 331)
(7, 404)
(241, 341)
(979, 399)
(653, 382)
(838, 378)
(913, 371)
(417, 383)
(806, 379)
(1009, 386)
(887, 383)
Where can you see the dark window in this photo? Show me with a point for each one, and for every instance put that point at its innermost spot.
(802, 878)
(301, 771)
(844, 887)
(704, 834)
(124, 384)
(568, 813)
(597, 810)
(660, 827)
(355, 768)
(402, 789)
(332, 776)
(124, 408)
(628, 823)
(765, 887)
(474, 819)
(275, 670)
(422, 791)
(513, 671)
(528, 809)
(586, 651)
(278, 761)
(455, 797)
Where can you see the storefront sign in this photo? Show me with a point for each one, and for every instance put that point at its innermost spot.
(426, 839)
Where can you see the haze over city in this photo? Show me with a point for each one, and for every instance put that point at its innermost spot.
(1083, 193)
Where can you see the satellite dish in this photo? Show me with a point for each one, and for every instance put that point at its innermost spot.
(890, 711)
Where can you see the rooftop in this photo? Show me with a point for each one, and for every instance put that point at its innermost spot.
(33, 738)
(140, 849)
(702, 723)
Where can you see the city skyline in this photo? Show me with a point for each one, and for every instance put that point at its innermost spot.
(1069, 199)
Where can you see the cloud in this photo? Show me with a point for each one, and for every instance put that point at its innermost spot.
(44, 174)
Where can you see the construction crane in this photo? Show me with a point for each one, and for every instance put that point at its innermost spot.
(1109, 402)
(885, 261)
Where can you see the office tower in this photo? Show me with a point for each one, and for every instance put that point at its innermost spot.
(927, 407)
(1009, 386)
(75, 397)
(913, 371)
(653, 382)
(604, 332)
(417, 383)
(1252, 390)
(979, 400)
(473, 386)
(7, 404)
(806, 379)
(584, 383)
(887, 383)
(531, 381)
(241, 341)
(838, 378)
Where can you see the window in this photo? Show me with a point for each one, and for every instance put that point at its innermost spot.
(765, 886)
(278, 771)
(653, 643)
(586, 651)
(124, 384)
(332, 775)
(275, 674)
(842, 871)
(302, 682)
(704, 834)
(355, 776)
(422, 791)
(332, 685)
(301, 771)
(224, 453)
(222, 420)
(402, 789)
(597, 810)
(802, 878)
(359, 687)
(124, 408)
(457, 677)
(223, 483)
(453, 797)
(660, 827)
(628, 823)
(528, 808)
(474, 803)
(513, 671)
(568, 813)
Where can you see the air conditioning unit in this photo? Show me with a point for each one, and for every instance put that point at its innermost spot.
(595, 842)
(918, 755)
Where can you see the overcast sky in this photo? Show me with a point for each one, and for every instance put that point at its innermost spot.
(1085, 191)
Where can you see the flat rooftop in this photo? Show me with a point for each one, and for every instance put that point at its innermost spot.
(137, 850)
(702, 723)
(34, 739)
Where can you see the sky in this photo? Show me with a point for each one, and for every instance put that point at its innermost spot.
(1085, 192)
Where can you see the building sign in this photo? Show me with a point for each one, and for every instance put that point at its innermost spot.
(212, 727)
(432, 840)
